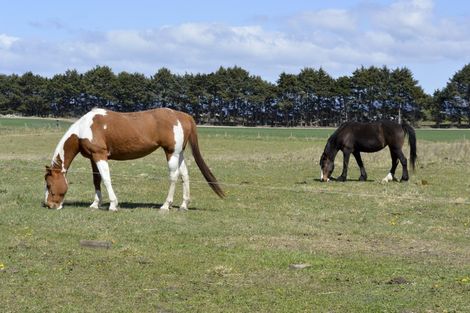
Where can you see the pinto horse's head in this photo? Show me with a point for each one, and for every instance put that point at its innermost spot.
(56, 188)
(327, 165)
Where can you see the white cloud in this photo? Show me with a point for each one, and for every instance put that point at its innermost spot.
(7, 41)
(339, 40)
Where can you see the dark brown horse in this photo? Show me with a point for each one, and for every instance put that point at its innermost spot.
(354, 138)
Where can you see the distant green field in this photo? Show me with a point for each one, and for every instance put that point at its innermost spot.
(446, 135)
(8, 123)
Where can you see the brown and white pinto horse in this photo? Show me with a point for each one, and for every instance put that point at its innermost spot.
(102, 135)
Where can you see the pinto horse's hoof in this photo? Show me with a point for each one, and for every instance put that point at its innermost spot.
(95, 206)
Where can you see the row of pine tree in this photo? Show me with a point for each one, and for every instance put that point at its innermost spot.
(232, 96)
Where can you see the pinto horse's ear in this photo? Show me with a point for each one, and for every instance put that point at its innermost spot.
(48, 170)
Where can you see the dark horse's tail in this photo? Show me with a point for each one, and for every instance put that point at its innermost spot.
(412, 142)
(206, 172)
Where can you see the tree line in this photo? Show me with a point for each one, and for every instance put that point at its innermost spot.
(232, 96)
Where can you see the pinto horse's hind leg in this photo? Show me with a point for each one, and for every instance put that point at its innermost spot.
(177, 167)
(185, 176)
(97, 183)
(173, 167)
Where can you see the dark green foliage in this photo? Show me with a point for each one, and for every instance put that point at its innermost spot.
(231, 96)
(453, 101)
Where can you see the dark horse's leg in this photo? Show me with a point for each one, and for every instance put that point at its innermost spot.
(363, 176)
(391, 175)
(344, 174)
(401, 157)
(97, 182)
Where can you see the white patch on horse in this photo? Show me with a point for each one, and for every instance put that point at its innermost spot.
(82, 129)
(178, 133)
(388, 178)
(105, 127)
(321, 175)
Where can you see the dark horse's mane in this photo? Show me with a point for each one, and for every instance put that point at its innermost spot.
(333, 137)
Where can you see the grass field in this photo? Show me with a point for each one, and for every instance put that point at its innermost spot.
(369, 247)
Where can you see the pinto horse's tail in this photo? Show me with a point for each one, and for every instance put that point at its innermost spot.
(206, 172)
(412, 142)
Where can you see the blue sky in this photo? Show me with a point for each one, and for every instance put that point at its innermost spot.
(432, 38)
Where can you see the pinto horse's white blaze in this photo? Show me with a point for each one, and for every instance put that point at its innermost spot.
(101, 135)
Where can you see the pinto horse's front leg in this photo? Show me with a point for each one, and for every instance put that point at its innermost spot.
(97, 183)
(103, 169)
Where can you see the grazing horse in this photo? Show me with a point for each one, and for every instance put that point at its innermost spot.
(102, 135)
(353, 137)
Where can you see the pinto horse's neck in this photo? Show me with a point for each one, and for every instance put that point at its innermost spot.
(68, 146)
(65, 152)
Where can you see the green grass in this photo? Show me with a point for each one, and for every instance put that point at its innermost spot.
(234, 255)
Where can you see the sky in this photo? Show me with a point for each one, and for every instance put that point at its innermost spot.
(430, 37)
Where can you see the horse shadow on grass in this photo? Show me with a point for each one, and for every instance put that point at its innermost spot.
(129, 206)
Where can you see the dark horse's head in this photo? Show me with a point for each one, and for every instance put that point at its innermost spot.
(327, 160)
(327, 165)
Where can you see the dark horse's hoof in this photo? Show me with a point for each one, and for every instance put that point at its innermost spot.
(404, 179)
(341, 178)
(362, 178)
